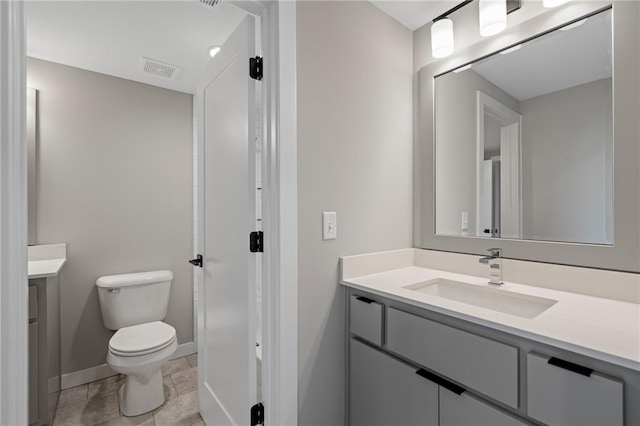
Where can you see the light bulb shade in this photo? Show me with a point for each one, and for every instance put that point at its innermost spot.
(442, 38)
(553, 3)
(493, 17)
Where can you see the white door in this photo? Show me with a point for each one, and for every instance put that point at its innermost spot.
(510, 197)
(226, 104)
(485, 227)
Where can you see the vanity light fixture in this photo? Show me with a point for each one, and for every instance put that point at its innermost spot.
(442, 38)
(493, 19)
(553, 3)
(213, 50)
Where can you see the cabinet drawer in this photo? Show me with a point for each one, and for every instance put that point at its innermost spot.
(487, 366)
(366, 319)
(561, 393)
(465, 409)
(33, 302)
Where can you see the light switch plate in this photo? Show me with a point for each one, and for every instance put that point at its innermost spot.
(329, 226)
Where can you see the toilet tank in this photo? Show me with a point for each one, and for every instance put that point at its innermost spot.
(131, 299)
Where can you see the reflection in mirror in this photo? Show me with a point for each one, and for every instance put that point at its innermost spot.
(524, 140)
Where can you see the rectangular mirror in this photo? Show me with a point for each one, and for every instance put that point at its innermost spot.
(524, 140)
(537, 146)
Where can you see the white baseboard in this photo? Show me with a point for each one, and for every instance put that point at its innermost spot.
(185, 349)
(103, 371)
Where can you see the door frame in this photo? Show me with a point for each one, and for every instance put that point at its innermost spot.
(486, 105)
(280, 298)
(13, 216)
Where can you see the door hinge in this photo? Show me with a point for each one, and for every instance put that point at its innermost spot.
(255, 68)
(257, 414)
(256, 242)
(197, 261)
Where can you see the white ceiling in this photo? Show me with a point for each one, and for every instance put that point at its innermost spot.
(557, 61)
(413, 13)
(111, 37)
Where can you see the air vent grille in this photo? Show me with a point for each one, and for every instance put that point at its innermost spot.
(210, 2)
(159, 69)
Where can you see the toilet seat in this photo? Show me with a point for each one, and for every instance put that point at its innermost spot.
(142, 339)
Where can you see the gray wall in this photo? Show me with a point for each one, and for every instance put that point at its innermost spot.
(115, 184)
(354, 106)
(456, 110)
(566, 164)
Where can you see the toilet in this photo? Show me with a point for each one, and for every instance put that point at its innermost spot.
(134, 305)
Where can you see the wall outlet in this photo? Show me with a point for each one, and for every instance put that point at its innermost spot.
(329, 226)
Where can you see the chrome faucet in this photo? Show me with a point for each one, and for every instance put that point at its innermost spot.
(495, 265)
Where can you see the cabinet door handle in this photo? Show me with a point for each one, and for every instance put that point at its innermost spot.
(579, 369)
(440, 381)
(365, 300)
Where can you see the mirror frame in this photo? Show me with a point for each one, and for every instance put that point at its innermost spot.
(624, 254)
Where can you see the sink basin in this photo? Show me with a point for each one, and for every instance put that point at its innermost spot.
(495, 299)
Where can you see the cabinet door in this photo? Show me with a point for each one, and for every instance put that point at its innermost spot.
(384, 391)
(466, 410)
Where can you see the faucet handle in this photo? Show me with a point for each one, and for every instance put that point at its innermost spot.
(495, 252)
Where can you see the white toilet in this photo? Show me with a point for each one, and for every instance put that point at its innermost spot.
(135, 305)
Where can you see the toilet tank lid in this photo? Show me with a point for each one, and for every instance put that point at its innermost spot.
(124, 280)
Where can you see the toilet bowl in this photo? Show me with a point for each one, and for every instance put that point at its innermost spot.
(139, 352)
(135, 305)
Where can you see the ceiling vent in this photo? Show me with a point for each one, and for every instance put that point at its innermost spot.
(211, 2)
(159, 69)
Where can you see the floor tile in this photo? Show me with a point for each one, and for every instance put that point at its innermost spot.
(175, 365)
(169, 388)
(200, 422)
(185, 381)
(73, 395)
(98, 409)
(109, 384)
(143, 420)
(193, 360)
(181, 410)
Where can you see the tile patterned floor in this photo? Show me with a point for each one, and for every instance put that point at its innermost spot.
(97, 403)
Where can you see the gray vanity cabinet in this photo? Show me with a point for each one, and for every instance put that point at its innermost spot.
(410, 367)
(384, 391)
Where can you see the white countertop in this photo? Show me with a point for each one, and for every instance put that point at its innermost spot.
(45, 261)
(605, 329)
(45, 268)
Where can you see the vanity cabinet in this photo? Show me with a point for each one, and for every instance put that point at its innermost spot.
(411, 366)
(44, 335)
